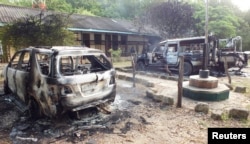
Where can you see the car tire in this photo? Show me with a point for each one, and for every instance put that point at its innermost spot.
(140, 66)
(6, 88)
(188, 69)
(35, 110)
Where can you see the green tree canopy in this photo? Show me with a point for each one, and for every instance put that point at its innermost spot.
(171, 18)
(59, 6)
(222, 21)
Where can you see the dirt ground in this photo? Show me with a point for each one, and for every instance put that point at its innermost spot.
(134, 118)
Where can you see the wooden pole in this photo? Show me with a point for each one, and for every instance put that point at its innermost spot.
(180, 81)
(226, 70)
(133, 67)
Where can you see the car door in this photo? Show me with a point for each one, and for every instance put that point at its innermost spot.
(22, 74)
(157, 55)
(11, 72)
(172, 54)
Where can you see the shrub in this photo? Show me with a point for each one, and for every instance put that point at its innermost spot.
(116, 54)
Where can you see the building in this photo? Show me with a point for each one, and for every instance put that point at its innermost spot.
(96, 32)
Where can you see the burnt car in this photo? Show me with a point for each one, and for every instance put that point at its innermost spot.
(192, 50)
(51, 81)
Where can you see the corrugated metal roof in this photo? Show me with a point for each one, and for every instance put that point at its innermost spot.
(97, 23)
(9, 13)
(78, 22)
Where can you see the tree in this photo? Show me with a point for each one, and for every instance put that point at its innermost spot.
(222, 20)
(59, 6)
(247, 17)
(91, 7)
(36, 30)
(171, 18)
(5, 2)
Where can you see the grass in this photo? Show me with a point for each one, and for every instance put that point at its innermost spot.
(248, 107)
(244, 83)
(224, 116)
(122, 64)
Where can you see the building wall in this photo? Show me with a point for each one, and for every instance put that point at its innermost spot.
(133, 43)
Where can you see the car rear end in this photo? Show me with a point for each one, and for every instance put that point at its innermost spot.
(86, 78)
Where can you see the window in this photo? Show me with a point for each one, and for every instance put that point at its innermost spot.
(78, 65)
(98, 39)
(172, 48)
(66, 65)
(15, 60)
(159, 49)
(21, 61)
(86, 39)
(25, 61)
(115, 42)
(43, 62)
(124, 39)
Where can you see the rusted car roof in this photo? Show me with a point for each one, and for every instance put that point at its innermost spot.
(75, 50)
(64, 50)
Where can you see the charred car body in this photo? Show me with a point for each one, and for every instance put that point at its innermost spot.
(192, 50)
(59, 79)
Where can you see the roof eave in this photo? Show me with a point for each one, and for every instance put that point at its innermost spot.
(109, 31)
(102, 31)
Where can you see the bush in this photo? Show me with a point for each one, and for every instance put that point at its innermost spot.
(116, 54)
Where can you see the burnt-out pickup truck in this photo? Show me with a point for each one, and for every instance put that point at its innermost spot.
(60, 79)
(192, 50)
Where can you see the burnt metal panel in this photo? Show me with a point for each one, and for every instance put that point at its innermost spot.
(38, 88)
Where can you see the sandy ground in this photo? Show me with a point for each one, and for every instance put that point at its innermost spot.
(134, 118)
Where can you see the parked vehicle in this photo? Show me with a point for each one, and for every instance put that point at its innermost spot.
(52, 81)
(192, 50)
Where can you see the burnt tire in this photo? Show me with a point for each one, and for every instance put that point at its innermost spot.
(188, 69)
(35, 110)
(140, 66)
(6, 88)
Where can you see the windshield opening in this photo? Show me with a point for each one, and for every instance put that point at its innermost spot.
(78, 65)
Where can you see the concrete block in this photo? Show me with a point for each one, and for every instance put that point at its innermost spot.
(217, 115)
(202, 107)
(158, 98)
(167, 100)
(240, 89)
(150, 84)
(163, 77)
(150, 93)
(155, 90)
(122, 77)
(129, 79)
(240, 114)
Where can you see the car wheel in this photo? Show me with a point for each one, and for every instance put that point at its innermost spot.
(35, 110)
(140, 66)
(188, 69)
(6, 88)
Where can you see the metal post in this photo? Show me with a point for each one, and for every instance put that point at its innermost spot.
(204, 73)
(206, 38)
